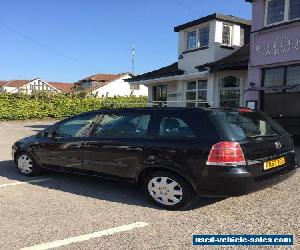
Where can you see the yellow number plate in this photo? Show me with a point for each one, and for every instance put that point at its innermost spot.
(274, 163)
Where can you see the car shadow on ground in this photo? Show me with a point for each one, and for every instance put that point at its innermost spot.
(94, 187)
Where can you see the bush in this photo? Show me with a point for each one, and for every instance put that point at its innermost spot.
(48, 105)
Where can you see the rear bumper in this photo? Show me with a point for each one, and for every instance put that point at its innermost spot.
(239, 181)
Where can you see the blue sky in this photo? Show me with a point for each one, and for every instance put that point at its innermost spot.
(66, 40)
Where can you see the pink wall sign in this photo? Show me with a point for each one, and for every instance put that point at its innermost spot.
(276, 47)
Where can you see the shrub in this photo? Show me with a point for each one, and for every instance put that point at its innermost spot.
(58, 106)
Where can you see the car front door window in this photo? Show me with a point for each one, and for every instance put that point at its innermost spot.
(77, 127)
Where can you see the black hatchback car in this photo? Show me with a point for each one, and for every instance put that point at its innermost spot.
(173, 153)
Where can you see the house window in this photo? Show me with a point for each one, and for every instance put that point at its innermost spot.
(160, 93)
(282, 79)
(198, 38)
(274, 78)
(135, 87)
(294, 12)
(191, 40)
(230, 92)
(293, 78)
(227, 35)
(275, 11)
(196, 93)
(203, 36)
(278, 11)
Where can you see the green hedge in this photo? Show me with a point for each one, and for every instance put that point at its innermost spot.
(43, 105)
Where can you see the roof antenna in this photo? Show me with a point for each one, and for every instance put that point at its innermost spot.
(132, 62)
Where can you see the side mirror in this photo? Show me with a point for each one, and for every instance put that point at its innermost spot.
(43, 134)
(50, 134)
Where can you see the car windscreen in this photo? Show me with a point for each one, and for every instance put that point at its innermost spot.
(248, 125)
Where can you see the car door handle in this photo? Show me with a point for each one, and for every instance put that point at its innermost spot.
(134, 149)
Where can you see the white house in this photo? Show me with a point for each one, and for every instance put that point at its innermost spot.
(206, 71)
(35, 85)
(110, 85)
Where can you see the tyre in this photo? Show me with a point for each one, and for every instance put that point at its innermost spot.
(26, 165)
(168, 190)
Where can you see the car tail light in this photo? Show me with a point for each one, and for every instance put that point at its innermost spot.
(226, 154)
(245, 110)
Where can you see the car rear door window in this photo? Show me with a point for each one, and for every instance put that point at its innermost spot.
(127, 125)
(175, 127)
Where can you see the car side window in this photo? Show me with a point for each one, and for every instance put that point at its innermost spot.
(175, 127)
(77, 127)
(122, 126)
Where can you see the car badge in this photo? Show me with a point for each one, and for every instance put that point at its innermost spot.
(278, 145)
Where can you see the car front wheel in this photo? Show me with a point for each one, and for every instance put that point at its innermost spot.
(168, 190)
(26, 165)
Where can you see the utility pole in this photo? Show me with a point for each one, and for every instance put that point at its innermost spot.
(132, 62)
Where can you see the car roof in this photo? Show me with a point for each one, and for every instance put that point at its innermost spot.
(159, 109)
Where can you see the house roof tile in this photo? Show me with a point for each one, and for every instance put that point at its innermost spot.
(17, 83)
(62, 86)
(238, 60)
(170, 70)
(214, 16)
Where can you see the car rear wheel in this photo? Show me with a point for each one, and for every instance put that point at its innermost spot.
(168, 190)
(26, 165)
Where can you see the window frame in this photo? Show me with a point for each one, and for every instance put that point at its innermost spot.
(239, 88)
(197, 30)
(199, 45)
(86, 134)
(286, 17)
(231, 34)
(161, 88)
(187, 40)
(149, 133)
(285, 68)
(187, 117)
(197, 100)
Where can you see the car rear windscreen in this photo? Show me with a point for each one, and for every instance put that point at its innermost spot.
(247, 125)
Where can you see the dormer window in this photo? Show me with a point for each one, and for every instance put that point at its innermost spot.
(204, 36)
(227, 35)
(198, 38)
(278, 11)
(191, 40)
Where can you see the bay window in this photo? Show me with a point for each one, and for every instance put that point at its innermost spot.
(278, 11)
